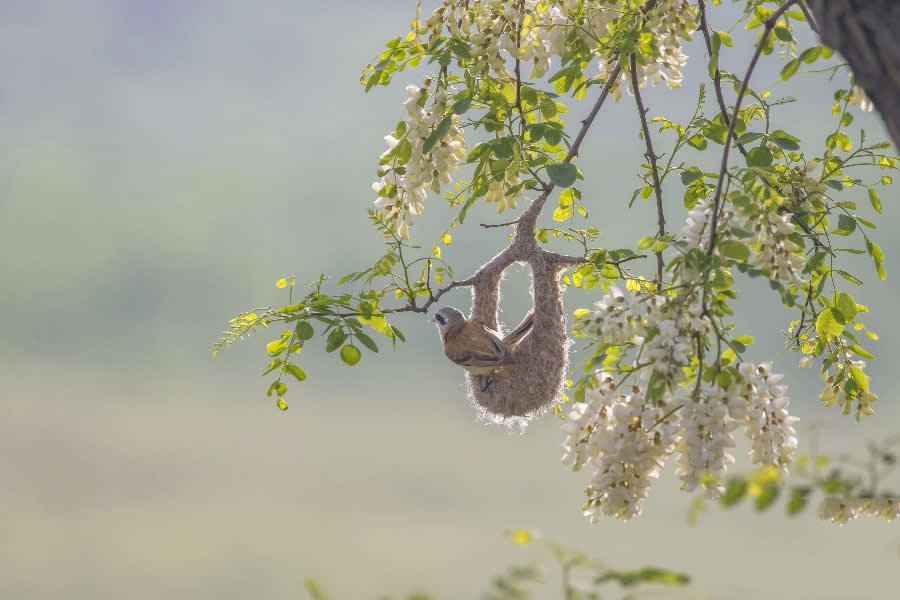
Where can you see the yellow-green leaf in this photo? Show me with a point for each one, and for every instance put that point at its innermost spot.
(828, 325)
(296, 371)
(860, 377)
(350, 354)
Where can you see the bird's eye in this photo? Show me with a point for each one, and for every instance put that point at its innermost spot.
(440, 319)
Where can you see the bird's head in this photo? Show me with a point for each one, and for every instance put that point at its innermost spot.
(448, 317)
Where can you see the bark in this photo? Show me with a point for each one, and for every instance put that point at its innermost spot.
(866, 32)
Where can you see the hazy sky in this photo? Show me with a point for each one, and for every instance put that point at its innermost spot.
(163, 163)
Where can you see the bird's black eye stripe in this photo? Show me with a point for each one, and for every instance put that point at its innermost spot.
(440, 319)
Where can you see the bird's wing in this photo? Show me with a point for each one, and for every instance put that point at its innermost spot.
(478, 347)
(515, 337)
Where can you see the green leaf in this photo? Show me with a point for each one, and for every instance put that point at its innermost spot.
(462, 105)
(828, 325)
(790, 68)
(735, 490)
(350, 354)
(766, 497)
(296, 371)
(715, 132)
(697, 141)
(759, 157)
(563, 175)
(878, 256)
(734, 249)
(783, 34)
(750, 137)
(784, 140)
(810, 55)
(633, 578)
(798, 500)
(335, 339)
(548, 108)
(860, 377)
(403, 151)
(366, 341)
(845, 303)
(690, 175)
(714, 55)
(277, 387)
(276, 347)
(846, 225)
(315, 590)
(304, 330)
(849, 277)
(437, 135)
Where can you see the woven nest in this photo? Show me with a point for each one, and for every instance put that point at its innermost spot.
(536, 375)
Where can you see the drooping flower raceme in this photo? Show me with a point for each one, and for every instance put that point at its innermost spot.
(422, 153)
(671, 21)
(768, 425)
(625, 440)
(704, 439)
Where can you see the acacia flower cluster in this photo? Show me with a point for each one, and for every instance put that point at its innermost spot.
(626, 440)
(671, 21)
(844, 510)
(673, 323)
(696, 229)
(534, 31)
(525, 30)
(775, 253)
(422, 153)
(662, 326)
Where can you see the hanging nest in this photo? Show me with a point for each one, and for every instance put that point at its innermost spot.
(536, 375)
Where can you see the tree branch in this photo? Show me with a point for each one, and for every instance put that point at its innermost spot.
(651, 156)
(717, 199)
(809, 18)
(717, 76)
(528, 219)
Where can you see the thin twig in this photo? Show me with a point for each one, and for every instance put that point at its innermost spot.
(518, 69)
(565, 259)
(651, 156)
(528, 219)
(717, 199)
(492, 225)
(717, 76)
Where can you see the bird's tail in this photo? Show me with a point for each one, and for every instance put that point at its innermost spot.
(515, 337)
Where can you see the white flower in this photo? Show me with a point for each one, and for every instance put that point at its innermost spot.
(703, 443)
(402, 194)
(837, 511)
(626, 442)
(768, 424)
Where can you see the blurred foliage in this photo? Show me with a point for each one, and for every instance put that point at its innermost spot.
(815, 476)
(582, 577)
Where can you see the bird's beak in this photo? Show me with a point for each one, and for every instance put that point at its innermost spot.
(431, 319)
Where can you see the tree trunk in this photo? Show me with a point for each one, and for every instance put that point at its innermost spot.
(865, 32)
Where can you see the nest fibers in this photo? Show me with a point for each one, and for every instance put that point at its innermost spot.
(535, 377)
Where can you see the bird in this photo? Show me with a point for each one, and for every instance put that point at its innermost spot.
(476, 348)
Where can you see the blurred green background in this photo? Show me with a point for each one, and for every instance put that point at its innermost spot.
(163, 163)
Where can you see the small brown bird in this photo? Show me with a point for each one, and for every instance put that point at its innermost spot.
(474, 347)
